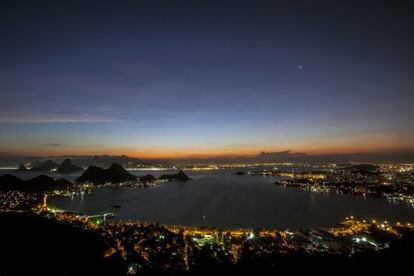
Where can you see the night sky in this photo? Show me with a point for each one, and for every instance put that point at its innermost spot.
(204, 78)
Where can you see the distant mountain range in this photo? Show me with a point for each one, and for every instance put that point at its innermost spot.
(279, 156)
(117, 174)
(95, 175)
(86, 160)
(82, 161)
(45, 166)
(49, 165)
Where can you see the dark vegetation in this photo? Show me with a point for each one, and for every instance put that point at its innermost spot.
(33, 245)
(40, 183)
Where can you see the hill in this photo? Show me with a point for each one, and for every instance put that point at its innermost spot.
(40, 183)
(45, 166)
(114, 174)
(68, 167)
(180, 176)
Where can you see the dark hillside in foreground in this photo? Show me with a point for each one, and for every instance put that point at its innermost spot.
(49, 247)
(34, 245)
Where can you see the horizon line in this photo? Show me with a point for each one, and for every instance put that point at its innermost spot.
(285, 154)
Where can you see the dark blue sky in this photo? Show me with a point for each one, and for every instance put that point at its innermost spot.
(174, 78)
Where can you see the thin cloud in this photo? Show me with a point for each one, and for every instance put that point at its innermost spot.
(54, 145)
(55, 120)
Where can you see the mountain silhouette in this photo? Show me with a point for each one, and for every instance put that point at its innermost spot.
(68, 167)
(47, 165)
(114, 174)
(180, 176)
(10, 182)
(38, 184)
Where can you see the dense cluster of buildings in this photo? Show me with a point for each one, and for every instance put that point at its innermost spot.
(177, 248)
(17, 201)
(143, 246)
(395, 183)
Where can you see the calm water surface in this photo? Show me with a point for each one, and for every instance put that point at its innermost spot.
(221, 198)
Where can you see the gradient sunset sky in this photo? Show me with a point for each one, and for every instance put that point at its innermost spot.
(205, 78)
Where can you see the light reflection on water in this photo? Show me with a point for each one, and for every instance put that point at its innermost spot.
(220, 198)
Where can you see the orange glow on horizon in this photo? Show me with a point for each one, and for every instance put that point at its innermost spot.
(204, 153)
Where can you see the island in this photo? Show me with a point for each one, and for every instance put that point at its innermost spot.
(68, 167)
(47, 165)
(98, 176)
(180, 176)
